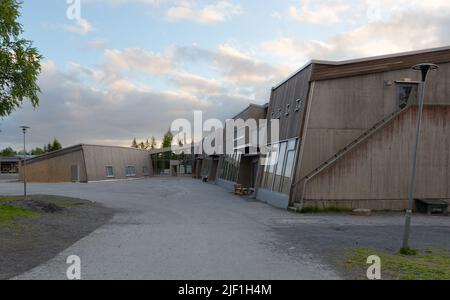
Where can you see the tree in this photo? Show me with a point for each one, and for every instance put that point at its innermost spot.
(19, 61)
(153, 143)
(37, 151)
(8, 152)
(142, 146)
(48, 148)
(56, 145)
(167, 139)
(52, 146)
(134, 144)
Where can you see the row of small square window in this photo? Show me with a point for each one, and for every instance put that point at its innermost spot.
(298, 104)
(130, 171)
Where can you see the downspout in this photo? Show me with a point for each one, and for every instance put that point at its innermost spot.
(300, 147)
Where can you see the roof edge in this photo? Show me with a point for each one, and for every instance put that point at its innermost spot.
(358, 60)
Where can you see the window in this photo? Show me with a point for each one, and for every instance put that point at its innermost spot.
(229, 167)
(130, 171)
(278, 173)
(280, 167)
(406, 94)
(109, 171)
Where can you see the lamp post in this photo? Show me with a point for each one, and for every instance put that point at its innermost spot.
(424, 69)
(0, 159)
(24, 130)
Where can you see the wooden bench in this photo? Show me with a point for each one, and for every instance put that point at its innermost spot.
(240, 190)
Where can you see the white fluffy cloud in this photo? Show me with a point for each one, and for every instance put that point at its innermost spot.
(189, 11)
(186, 10)
(405, 26)
(102, 104)
(81, 26)
(318, 12)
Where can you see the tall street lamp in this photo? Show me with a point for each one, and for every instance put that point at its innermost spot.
(424, 69)
(0, 159)
(24, 130)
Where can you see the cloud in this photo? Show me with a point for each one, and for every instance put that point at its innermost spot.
(107, 104)
(218, 12)
(407, 28)
(136, 59)
(185, 10)
(99, 43)
(318, 12)
(195, 84)
(81, 26)
(73, 112)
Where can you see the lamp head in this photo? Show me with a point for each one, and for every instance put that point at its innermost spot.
(24, 128)
(425, 68)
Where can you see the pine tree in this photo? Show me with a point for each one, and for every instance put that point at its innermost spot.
(153, 144)
(134, 144)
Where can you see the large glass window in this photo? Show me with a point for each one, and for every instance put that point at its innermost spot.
(229, 167)
(280, 167)
(278, 173)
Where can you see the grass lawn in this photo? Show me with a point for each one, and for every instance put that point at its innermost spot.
(10, 213)
(4, 199)
(426, 265)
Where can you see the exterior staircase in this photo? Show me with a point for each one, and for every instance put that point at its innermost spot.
(298, 204)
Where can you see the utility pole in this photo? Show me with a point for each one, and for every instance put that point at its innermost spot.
(24, 130)
(424, 68)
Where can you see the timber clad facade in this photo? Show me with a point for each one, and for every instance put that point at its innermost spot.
(86, 163)
(346, 137)
(357, 131)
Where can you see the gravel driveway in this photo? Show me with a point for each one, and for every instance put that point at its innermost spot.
(177, 228)
(180, 228)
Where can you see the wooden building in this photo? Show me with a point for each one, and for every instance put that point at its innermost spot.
(347, 131)
(87, 163)
(241, 167)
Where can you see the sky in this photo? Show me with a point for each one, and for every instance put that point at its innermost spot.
(128, 68)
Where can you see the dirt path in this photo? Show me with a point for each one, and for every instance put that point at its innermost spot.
(56, 224)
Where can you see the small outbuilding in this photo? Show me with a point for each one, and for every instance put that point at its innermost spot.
(87, 163)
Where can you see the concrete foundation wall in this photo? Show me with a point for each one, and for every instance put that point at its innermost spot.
(275, 199)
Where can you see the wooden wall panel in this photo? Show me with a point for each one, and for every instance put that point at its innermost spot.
(380, 168)
(55, 169)
(295, 88)
(98, 157)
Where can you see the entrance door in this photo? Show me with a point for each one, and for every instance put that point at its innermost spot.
(74, 173)
(254, 170)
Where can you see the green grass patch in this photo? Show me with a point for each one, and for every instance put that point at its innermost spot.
(318, 210)
(5, 199)
(10, 213)
(68, 203)
(426, 265)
